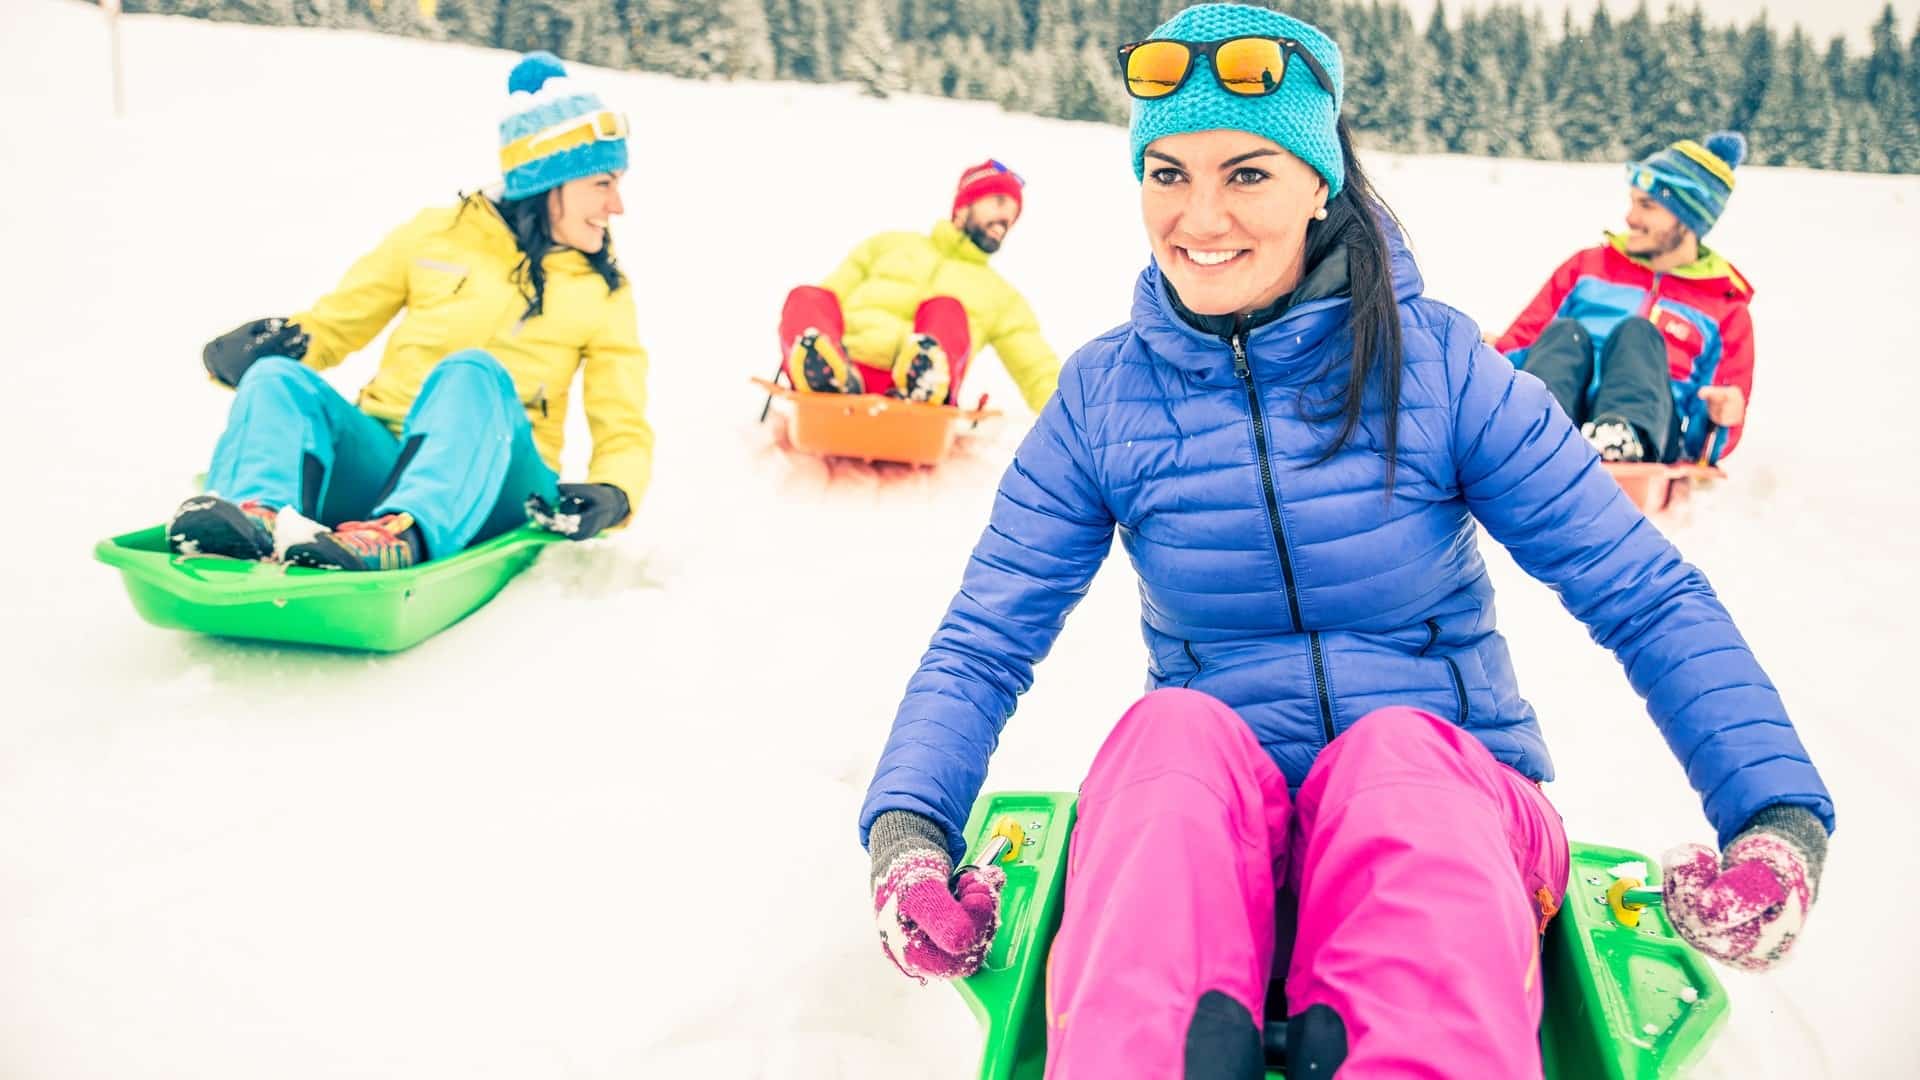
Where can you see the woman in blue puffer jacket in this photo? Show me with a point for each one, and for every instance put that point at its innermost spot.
(1294, 445)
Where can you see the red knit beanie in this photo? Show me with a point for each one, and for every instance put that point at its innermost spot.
(988, 178)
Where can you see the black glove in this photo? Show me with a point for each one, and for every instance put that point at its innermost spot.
(230, 355)
(583, 510)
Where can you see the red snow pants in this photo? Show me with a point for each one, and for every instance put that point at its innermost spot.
(941, 318)
(1424, 872)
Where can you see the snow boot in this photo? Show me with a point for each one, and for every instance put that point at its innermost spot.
(1615, 439)
(817, 364)
(210, 525)
(921, 373)
(388, 542)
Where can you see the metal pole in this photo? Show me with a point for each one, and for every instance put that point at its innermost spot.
(112, 9)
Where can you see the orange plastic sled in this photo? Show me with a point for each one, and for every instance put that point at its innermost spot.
(1656, 488)
(872, 427)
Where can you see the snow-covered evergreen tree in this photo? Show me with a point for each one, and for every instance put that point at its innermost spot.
(1797, 120)
(798, 31)
(1413, 96)
(1480, 86)
(1754, 70)
(868, 55)
(1655, 113)
(1699, 96)
(1593, 114)
(1886, 90)
(1533, 116)
(474, 21)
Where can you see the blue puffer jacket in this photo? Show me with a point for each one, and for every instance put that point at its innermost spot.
(1298, 592)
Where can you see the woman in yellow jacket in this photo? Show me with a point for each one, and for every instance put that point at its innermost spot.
(458, 436)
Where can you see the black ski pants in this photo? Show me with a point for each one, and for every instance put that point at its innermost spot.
(1634, 387)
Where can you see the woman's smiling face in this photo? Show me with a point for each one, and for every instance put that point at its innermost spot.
(578, 211)
(1226, 213)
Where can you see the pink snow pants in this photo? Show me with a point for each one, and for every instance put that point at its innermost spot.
(1425, 873)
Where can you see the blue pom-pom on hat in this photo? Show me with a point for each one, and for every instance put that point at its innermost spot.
(533, 71)
(554, 131)
(1728, 146)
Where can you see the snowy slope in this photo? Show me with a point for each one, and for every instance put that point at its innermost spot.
(606, 828)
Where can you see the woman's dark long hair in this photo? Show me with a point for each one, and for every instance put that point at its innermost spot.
(532, 232)
(1355, 219)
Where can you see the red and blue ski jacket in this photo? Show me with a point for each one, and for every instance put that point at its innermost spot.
(1700, 308)
(1299, 591)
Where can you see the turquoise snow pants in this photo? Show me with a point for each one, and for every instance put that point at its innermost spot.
(463, 465)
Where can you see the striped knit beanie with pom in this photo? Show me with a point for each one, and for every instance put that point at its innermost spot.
(555, 129)
(1692, 179)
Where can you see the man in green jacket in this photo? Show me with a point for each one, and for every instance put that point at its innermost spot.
(904, 313)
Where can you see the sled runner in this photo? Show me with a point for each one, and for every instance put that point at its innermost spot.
(375, 611)
(1657, 488)
(1622, 1002)
(873, 427)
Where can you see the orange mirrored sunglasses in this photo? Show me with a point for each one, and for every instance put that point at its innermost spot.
(1247, 66)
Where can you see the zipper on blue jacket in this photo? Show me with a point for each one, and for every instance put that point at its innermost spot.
(1245, 372)
(1198, 667)
(1459, 683)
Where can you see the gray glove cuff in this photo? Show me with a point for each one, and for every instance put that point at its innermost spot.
(1798, 826)
(897, 832)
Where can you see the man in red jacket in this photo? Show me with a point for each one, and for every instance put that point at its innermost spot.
(1645, 340)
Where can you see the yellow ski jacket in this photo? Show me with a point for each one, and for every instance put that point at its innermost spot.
(888, 277)
(452, 270)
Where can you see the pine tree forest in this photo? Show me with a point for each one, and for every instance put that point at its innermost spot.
(1500, 81)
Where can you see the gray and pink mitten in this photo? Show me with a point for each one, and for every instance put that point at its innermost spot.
(930, 927)
(1747, 906)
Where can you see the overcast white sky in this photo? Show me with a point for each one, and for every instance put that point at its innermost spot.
(1822, 18)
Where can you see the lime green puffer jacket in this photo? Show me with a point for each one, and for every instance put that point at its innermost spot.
(887, 278)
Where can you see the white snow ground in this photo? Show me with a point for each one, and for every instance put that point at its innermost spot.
(605, 828)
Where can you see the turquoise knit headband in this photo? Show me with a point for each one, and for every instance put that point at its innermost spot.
(1299, 116)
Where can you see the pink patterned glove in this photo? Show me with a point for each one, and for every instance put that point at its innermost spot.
(928, 928)
(1747, 906)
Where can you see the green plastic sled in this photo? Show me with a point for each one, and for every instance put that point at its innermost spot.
(1617, 1000)
(376, 611)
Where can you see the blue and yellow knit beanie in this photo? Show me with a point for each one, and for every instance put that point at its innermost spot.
(555, 130)
(1299, 116)
(1692, 179)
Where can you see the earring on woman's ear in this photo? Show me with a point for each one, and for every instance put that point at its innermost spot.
(1320, 214)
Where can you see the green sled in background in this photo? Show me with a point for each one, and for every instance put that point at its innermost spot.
(1622, 1003)
(374, 611)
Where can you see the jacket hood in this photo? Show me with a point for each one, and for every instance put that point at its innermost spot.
(1292, 347)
